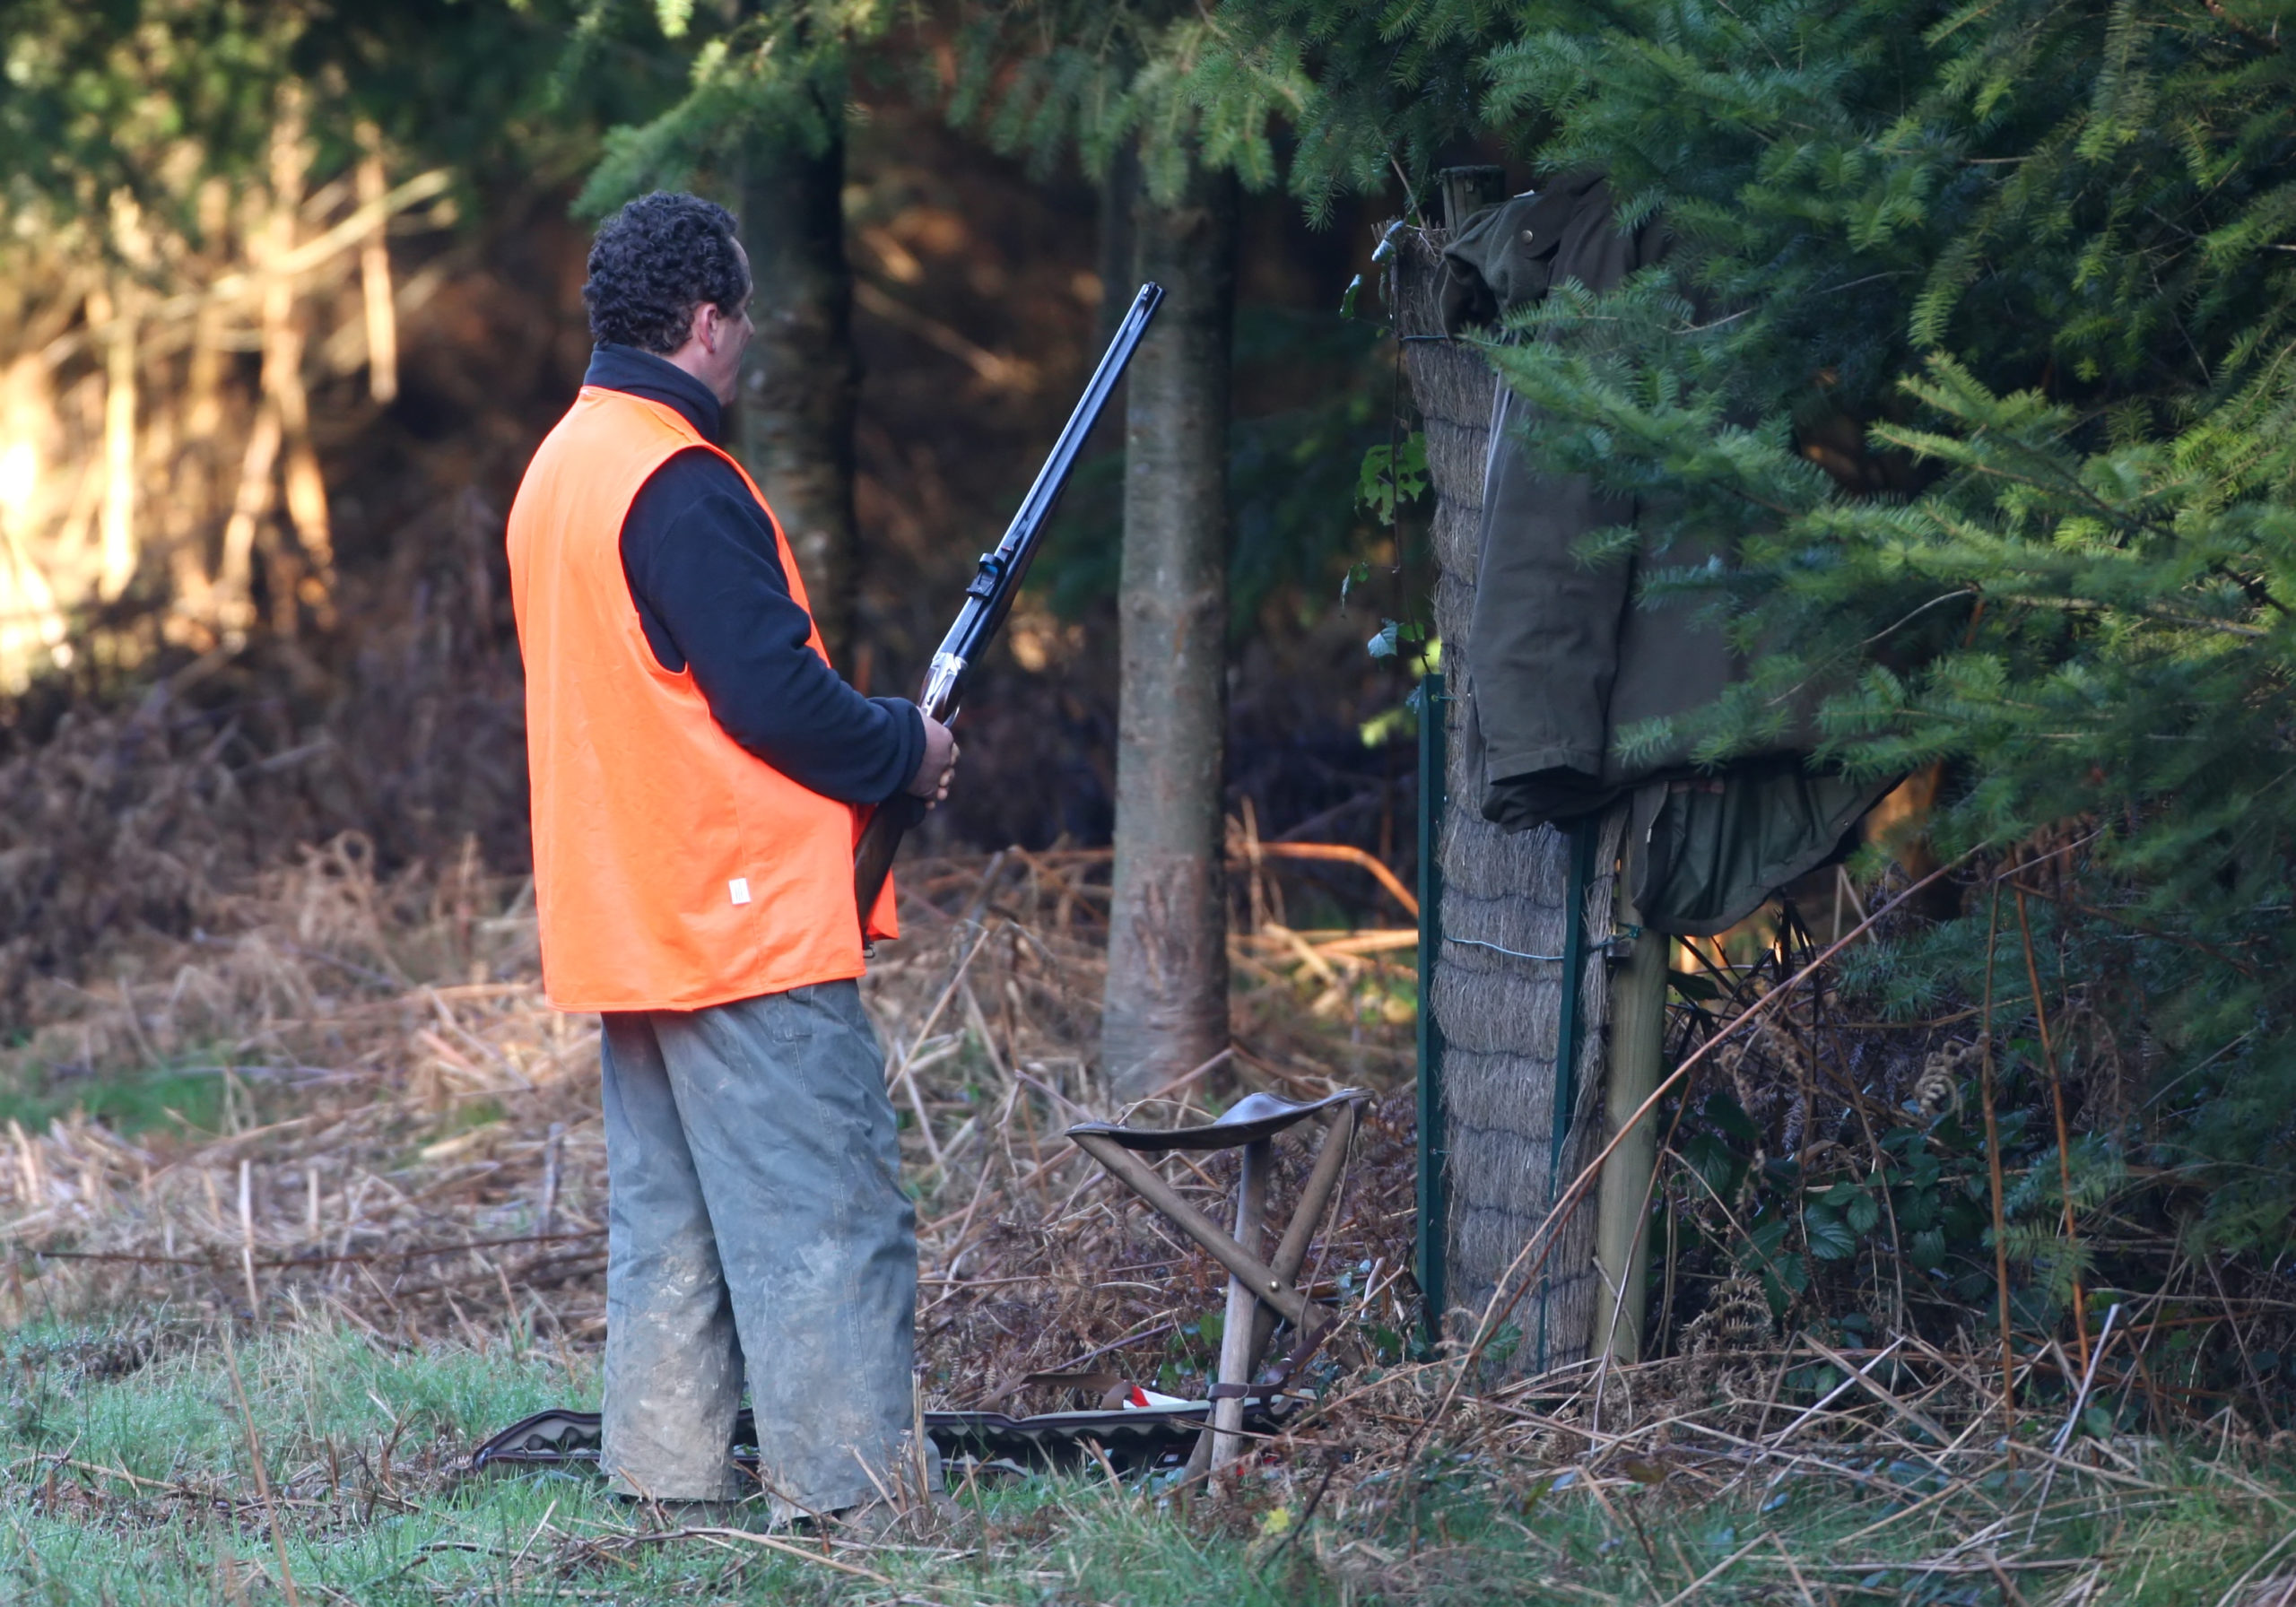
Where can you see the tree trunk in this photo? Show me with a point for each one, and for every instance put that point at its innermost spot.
(1638, 1064)
(1502, 1017)
(1117, 260)
(801, 377)
(1166, 1005)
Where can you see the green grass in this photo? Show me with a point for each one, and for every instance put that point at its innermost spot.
(124, 1476)
(127, 1102)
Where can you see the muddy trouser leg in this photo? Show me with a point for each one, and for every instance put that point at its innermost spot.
(783, 1109)
(672, 1363)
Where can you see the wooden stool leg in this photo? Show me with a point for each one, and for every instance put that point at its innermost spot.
(1242, 1319)
(1142, 1180)
(1315, 1199)
(1258, 1293)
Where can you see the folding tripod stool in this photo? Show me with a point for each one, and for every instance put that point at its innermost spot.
(1258, 1291)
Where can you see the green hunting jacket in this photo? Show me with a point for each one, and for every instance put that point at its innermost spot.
(1562, 654)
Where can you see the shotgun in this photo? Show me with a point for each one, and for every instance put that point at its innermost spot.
(989, 597)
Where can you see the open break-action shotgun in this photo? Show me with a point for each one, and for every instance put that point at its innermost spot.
(989, 598)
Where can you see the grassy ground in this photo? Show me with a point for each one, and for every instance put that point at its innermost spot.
(126, 1476)
(354, 1143)
(130, 1104)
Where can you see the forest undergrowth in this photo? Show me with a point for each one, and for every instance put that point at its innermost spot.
(339, 1143)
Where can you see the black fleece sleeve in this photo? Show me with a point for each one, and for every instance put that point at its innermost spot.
(706, 575)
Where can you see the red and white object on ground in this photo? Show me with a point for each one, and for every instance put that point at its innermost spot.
(1138, 1399)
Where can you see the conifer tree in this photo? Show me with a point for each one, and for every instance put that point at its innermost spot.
(763, 121)
(1976, 345)
(1165, 1010)
(1105, 82)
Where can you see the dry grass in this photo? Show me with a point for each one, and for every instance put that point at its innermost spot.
(403, 1135)
(398, 1144)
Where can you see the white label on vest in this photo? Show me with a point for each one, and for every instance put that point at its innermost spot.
(738, 890)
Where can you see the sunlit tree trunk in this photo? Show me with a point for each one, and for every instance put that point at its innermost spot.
(1167, 996)
(801, 378)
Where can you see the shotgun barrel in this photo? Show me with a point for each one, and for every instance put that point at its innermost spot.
(989, 596)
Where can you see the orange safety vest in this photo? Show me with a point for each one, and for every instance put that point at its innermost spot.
(674, 869)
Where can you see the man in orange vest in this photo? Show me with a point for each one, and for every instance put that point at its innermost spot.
(699, 775)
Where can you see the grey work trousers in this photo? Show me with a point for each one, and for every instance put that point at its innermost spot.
(757, 1220)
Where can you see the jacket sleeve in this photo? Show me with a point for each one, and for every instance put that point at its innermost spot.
(705, 574)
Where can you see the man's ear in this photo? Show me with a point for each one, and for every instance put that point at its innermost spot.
(713, 320)
(699, 329)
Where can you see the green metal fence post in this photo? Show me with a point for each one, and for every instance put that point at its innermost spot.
(1433, 1156)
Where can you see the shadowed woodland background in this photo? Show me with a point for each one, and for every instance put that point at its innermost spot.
(220, 636)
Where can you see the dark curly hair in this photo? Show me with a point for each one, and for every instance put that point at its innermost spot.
(654, 261)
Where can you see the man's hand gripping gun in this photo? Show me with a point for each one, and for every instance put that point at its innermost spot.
(989, 598)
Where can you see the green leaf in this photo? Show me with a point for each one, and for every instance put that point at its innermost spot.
(1791, 1272)
(1391, 475)
(1724, 1112)
(1863, 1212)
(1712, 1160)
(1828, 1236)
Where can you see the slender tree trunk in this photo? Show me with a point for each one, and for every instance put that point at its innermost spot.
(1118, 264)
(1166, 1006)
(1638, 1064)
(801, 378)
